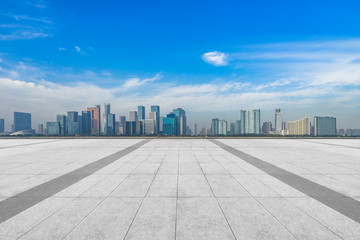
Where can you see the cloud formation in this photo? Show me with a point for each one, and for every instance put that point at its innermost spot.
(215, 58)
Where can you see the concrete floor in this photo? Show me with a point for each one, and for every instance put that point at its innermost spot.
(178, 189)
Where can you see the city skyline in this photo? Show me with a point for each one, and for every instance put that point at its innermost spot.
(210, 62)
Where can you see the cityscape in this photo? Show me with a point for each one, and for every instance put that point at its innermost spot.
(98, 121)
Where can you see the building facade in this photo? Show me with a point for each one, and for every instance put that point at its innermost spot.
(278, 121)
(156, 109)
(2, 125)
(22, 121)
(299, 127)
(324, 126)
(95, 120)
(250, 121)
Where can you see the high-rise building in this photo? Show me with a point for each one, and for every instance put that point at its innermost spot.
(324, 126)
(250, 121)
(105, 118)
(133, 117)
(110, 127)
(61, 119)
(299, 127)
(266, 127)
(40, 129)
(153, 116)
(22, 121)
(278, 121)
(85, 123)
(73, 125)
(2, 125)
(156, 109)
(237, 127)
(130, 128)
(149, 126)
(161, 125)
(232, 128)
(122, 125)
(195, 133)
(180, 114)
(95, 120)
(218, 127)
(52, 128)
(170, 123)
(141, 112)
(140, 127)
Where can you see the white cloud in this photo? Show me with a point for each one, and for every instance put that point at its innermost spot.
(77, 49)
(62, 49)
(137, 82)
(215, 58)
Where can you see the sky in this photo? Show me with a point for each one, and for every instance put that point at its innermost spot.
(211, 58)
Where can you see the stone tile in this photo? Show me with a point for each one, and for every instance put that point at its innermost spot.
(193, 186)
(164, 186)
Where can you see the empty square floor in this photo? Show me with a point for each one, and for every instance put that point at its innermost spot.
(179, 189)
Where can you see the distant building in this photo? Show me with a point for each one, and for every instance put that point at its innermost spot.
(181, 128)
(95, 120)
(352, 132)
(324, 126)
(40, 129)
(266, 128)
(122, 125)
(141, 112)
(195, 132)
(156, 109)
(153, 116)
(133, 117)
(149, 126)
(86, 123)
(140, 127)
(22, 121)
(73, 125)
(250, 121)
(110, 127)
(61, 119)
(278, 121)
(130, 128)
(299, 127)
(105, 119)
(218, 127)
(2, 125)
(170, 123)
(232, 128)
(341, 132)
(52, 128)
(203, 132)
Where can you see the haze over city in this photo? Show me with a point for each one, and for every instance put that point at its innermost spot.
(210, 58)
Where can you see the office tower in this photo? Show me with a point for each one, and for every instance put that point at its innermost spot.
(122, 125)
(215, 126)
(133, 117)
(278, 121)
(161, 125)
(86, 123)
(22, 121)
(95, 120)
(203, 132)
(250, 121)
(52, 128)
(180, 114)
(170, 123)
(110, 126)
(195, 130)
(149, 126)
(40, 129)
(157, 110)
(130, 128)
(2, 125)
(324, 126)
(299, 127)
(61, 119)
(237, 127)
(266, 127)
(284, 125)
(105, 118)
(141, 112)
(140, 127)
(218, 127)
(73, 125)
(153, 116)
(232, 128)
(117, 128)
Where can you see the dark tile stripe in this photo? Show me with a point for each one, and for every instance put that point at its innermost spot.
(35, 143)
(337, 201)
(22, 201)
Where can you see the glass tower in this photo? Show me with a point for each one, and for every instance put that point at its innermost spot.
(22, 121)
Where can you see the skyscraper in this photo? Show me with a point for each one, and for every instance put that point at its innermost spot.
(61, 119)
(195, 130)
(52, 128)
(86, 123)
(22, 121)
(218, 127)
(153, 116)
(266, 127)
(149, 126)
(110, 126)
(169, 124)
(156, 109)
(122, 125)
(250, 121)
(40, 130)
(2, 125)
(105, 118)
(133, 117)
(141, 112)
(95, 120)
(73, 125)
(324, 126)
(278, 121)
(180, 113)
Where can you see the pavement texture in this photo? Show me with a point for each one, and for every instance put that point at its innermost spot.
(179, 189)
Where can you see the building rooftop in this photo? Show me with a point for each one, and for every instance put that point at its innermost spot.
(179, 188)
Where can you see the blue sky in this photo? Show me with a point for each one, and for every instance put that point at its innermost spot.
(212, 58)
